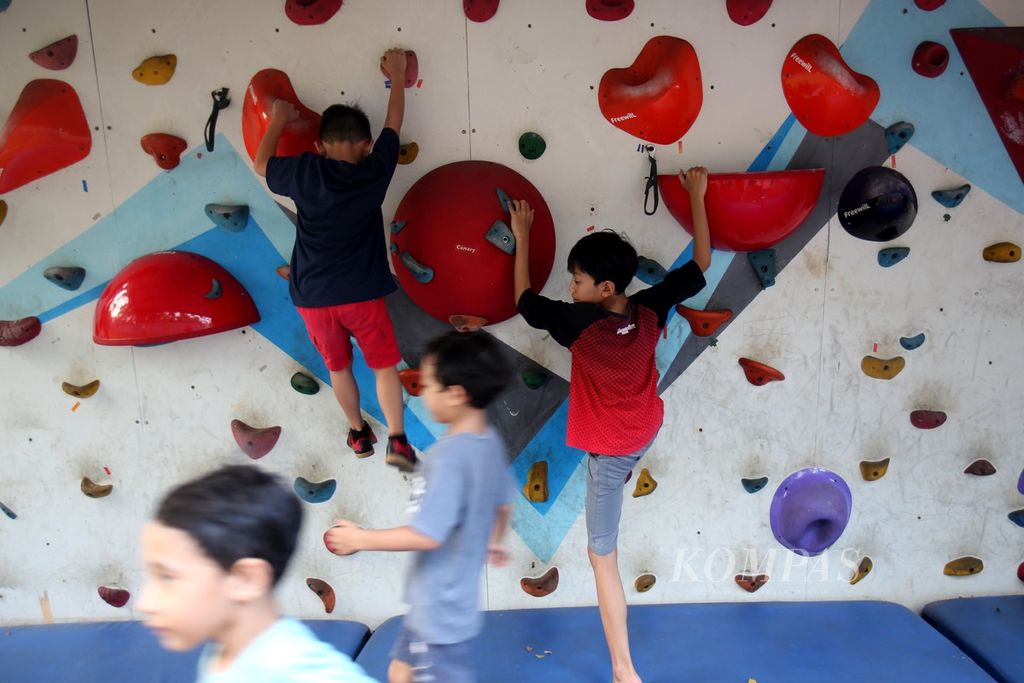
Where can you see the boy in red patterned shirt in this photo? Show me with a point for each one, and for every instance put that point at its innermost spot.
(614, 408)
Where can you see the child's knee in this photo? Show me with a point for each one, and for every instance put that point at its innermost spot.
(399, 672)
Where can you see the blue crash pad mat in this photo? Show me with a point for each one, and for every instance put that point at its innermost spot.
(771, 642)
(114, 651)
(990, 630)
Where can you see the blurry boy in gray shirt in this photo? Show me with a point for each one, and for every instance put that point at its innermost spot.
(459, 510)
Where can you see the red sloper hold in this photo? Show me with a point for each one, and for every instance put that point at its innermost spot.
(298, 136)
(929, 5)
(747, 12)
(115, 597)
(45, 132)
(658, 97)
(930, 59)
(480, 10)
(412, 69)
(57, 56)
(825, 94)
(927, 419)
(166, 296)
(311, 12)
(609, 10)
(748, 211)
(995, 59)
(166, 149)
(255, 441)
(760, 374)
(18, 332)
(703, 323)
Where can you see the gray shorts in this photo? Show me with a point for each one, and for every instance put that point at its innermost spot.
(606, 480)
(434, 663)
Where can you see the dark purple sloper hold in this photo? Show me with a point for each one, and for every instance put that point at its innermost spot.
(927, 419)
(810, 510)
(17, 332)
(1020, 483)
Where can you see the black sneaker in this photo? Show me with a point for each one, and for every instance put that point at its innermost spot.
(400, 453)
(361, 442)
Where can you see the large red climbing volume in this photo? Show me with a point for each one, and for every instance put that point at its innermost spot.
(658, 97)
(45, 132)
(748, 211)
(167, 296)
(298, 136)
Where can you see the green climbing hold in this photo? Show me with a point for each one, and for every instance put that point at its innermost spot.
(534, 378)
(763, 263)
(304, 384)
(754, 485)
(531, 145)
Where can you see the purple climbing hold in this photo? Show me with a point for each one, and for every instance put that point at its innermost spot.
(810, 510)
(1020, 483)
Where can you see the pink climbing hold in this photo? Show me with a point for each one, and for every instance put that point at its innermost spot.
(412, 69)
(929, 5)
(255, 442)
(927, 419)
(57, 56)
(480, 10)
(930, 59)
(17, 332)
(609, 10)
(311, 12)
(747, 12)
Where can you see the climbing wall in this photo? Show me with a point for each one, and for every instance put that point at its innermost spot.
(892, 501)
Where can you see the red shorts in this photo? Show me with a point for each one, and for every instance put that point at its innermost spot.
(368, 321)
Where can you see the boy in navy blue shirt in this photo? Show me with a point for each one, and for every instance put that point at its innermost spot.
(339, 268)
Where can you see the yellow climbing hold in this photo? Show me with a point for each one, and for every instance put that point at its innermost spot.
(94, 490)
(645, 484)
(882, 369)
(1002, 252)
(863, 569)
(873, 469)
(156, 70)
(84, 391)
(963, 566)
(536, 487)
(644, 583)
(407, 153)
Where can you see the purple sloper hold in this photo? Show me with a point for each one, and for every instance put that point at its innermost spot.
(810, 510)
(1020, 483)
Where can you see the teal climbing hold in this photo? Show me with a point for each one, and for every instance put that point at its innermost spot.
(394, 248)
(650, 272)
(911, 343)
(8, 511)
(500, 235)
(534, 378)
(65, 277)
(889, 257)
(763, 263)
(531, 145)
(898, 134)
(231, 217)
(1017, 517)
(754, 485)
(4, 4)
(396, 227)
(951, 198)
(419, 271)
(304, 384)
(506, 203)
(215, 289)
(315, 491)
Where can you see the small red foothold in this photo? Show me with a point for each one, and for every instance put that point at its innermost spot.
(115, 597)
(410, 378)
(703, 323)
(927, 419)
(311, 12)
(929, 5)
(760, 374)
(480, 10)
(165, 149)
(57, 56)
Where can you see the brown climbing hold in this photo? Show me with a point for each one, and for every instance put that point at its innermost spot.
(760, 374)
(703, 323)
(981, 468)
(963, 566)
(927, 419)
(94, 490)
(882, 368)
(156, 70)
(872, 470)
(536, 487)
(407, 153)
(1002, 252)
(115, 597)
(541, 586)
(467, 323)
(166, 149)
(645, 484)
(644, 583)
(750, 582)
(84, 391)
(324, 590)
(254, 442)
(863, 569)
(283, 271)
(410, 378)
(17, 332)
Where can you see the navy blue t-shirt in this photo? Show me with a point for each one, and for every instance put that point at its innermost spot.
(340, 254)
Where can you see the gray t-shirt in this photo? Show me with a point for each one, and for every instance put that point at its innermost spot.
(461, 482)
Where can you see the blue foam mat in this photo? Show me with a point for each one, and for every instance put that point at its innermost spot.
(771, 642)
(990, 630)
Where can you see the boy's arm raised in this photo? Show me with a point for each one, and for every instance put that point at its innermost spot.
(393, 63)
(522, 221)
(696, 183)
(283, 113)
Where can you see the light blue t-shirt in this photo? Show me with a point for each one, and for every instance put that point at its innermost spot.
(462, 480)
(287, 652)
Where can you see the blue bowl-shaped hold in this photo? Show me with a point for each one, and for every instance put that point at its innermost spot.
(315, 491)
(911, 343)
(810, 510)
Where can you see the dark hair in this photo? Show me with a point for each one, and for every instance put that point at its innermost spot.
(605, 255)
(473, 361)
(237, 512)
(344, 123)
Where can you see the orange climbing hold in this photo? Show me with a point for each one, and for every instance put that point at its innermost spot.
(963, 566)
(166, 149)
(981, 468)
(882, 369)
(94, 490)
(751, 582)
(467, 323)
(410, 378)
(645, 582)
(542, 585)
(760, 374)
(45, 132)
(18, 332)
(311, 12)
(254, 442)
(703, 323)
(645, 484)
(283, 272)
(57, 56)
(298, 136)
(83, 391)
(325, 591)
(156, 70)
(115, 597)
(536, 487)
(1002, 252)
(873, 470)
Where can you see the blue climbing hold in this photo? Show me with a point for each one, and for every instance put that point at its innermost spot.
(892, 255)
(419, 271)
(1017, 517)
(69, 278)
(231, 217)
(911, 343)
(506, 203)
(4, 4)
(754, 485)
(764, 266)
(650, 272)
(396, 227)
(898, 134)
(8, 511)
(216, 290)
(315, 491)
(500, 235)
(951, 198)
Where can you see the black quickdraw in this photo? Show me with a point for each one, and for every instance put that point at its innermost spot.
(220, 101)
(651, 189)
